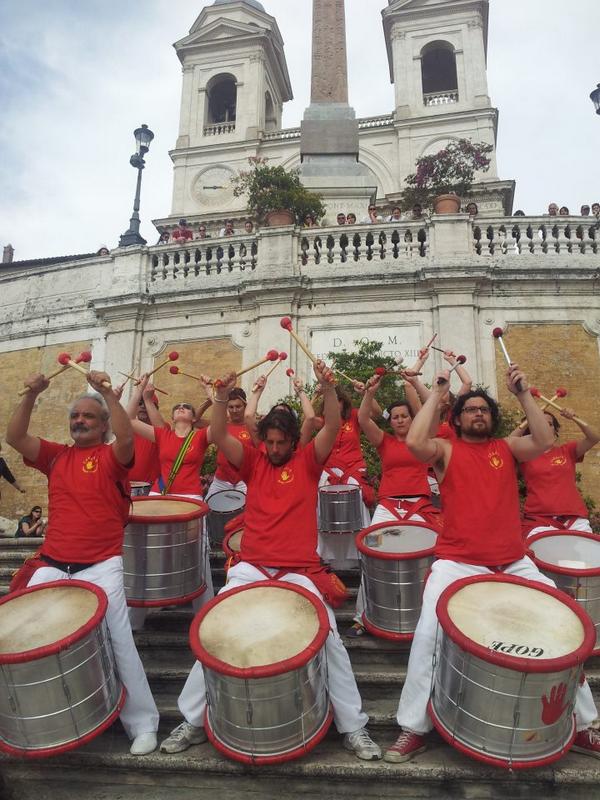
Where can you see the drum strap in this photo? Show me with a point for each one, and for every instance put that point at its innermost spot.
(185, 445)
(561, 523)
(421, 507)
(332, 588)
(368, 493)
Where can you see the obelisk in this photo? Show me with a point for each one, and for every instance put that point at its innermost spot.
(329, 130)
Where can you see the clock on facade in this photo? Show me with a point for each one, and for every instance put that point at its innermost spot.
(212, 187)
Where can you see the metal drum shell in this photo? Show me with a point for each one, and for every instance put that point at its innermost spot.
(482, 700)
(269, 714)
(393, 584)
(340, 508)
(583, 585)
(58, 697)
(217, 521)
(164, 556)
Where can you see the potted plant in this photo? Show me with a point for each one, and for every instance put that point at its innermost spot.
(442, 179)
(275, 195)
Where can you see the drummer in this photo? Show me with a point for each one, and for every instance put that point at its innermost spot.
(146, 468)
(88, 508)
(226, 476)
(280, 539)
(481, 534)
(251, 412)
(553, 502)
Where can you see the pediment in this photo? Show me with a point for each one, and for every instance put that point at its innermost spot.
(410, 5)
(219, 28)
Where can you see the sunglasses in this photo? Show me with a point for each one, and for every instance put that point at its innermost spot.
(186, 406)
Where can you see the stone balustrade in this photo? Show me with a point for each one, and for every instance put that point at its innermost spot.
(219, 128)
(365, 243)
(536, 235)
(440, 98)
(203, 257)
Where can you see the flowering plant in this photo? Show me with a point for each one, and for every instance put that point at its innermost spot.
(273, 188)
(450, 171)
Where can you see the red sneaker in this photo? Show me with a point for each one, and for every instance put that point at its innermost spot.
(405, 747)
(587, 742)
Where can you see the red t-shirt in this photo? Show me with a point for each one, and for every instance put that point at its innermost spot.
(86, 510)
(226, 471)
(550, 482)
(187, 480)
(401, 473)
(280, 521)
(346, 452)
(446, 431)
(481, 505)
(147, 465)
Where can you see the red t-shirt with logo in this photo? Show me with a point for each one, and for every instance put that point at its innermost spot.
(446, 431)
(225, 470)
(346, 452)
(550, 482)
(401, 473)
(86, 510)
(481, 505)
(147, 465)
(280, 521)
(187, 480)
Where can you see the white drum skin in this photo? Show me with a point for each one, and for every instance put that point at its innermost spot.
(509, 662)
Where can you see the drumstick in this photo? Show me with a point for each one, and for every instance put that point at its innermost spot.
(282, 357)
(174, 370)
(431, 341)
(290, 372)
(66, 360)
(138, 381)
(557, 407)
(460, 360)
(286, 323)
(385, 371)
(271, 355)
(535, 392)
(172, 357)
(343, 374)
(497, 334)
(85, 356)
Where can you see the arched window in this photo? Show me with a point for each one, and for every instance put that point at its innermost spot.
(270, 114)
(438, 72)
(222, 99)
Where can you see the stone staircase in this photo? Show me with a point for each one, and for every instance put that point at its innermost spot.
(104, 769)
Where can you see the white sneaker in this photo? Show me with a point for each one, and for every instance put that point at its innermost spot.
(182, 737)
(360, 743)
(143, 744)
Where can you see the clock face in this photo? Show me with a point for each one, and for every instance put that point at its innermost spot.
(212, 187)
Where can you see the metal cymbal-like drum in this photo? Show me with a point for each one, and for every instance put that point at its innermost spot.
(340, 508)
(224, 506)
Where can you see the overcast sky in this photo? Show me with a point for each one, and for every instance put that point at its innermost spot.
(78, 76)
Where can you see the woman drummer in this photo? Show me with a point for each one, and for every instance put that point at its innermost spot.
(553, 501)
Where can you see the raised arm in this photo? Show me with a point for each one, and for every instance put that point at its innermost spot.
(365, 413)
(325, 438)
(119, 420)
(420, 441)
(376, 409)
(232, 448)
(199, 422)
(154, 415)
(590, 436)
(308, 412)
(466, 382)
(251, 409)
(17, 433)
(541, 438)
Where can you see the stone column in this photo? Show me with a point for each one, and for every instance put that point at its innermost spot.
(329, 76)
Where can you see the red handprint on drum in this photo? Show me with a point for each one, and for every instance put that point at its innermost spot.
(554, 708)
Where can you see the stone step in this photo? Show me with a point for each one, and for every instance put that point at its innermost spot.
(16, 542)
(104, 769)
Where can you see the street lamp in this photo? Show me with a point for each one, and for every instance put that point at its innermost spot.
(143, 137)
(595, 98)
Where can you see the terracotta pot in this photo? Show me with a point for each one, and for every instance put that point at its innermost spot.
(446, 204)
(280, 217)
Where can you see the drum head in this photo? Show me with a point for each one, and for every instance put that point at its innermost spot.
(235, 541)
(341, 488)
(226, 501)
(405, 540)
(260, 629)
(39, 619)
(504, 616)
(165, 509)
(567, 553)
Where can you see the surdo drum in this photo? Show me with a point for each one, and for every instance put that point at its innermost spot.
(509, 662)
(164, 551)
(262, 650)
(140, 488)
(395, 559)
(224, 506)
(59, 684)
(340, 508)
(572, 561)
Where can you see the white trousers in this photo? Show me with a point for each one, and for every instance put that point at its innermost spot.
(139, 714)
(579, 524)
(412, 710)
(343, 691)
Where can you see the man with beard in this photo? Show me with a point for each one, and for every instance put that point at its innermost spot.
(481, 534)
(88, 492)
(280, 540)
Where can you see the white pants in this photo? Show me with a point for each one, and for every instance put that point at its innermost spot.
(343, 691)
(139, 714)
(412, 710)
(339, 549)
(579, 524)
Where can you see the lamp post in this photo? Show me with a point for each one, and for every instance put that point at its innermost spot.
(143, 137)
(595, 98)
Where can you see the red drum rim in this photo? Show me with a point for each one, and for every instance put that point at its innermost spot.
(56, 647)
(341, 488)
(367, 551)
(548, 565)
(382, 633)
(266, 670)
(201, 510)
(494, 760)
(167, 601)
(225, 543)
(46, 752)
(244, 758)
(517, 663)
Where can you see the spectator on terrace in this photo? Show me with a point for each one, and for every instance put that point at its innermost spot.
(372, 218)
(164, 237)
(341, 218)
(228, 229)
(396, 214)
(472, 209)
(350, 218)
(585, 211)
(103, 251)
(182, 232)
(519, 213)
(553, 210)
(417, 211)
(596, 209)
(310, 222)
(564, 211)
(202, 234)
(249, 226)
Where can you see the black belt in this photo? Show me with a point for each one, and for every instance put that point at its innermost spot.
(63, 566)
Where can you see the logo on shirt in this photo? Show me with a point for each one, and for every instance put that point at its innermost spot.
(285, 476)
(558, 461)
(243, 436)
(495, 459)
(90, 464)
(347, 427)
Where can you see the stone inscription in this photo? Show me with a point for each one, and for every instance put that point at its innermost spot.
(398, 341)
(329, 80)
